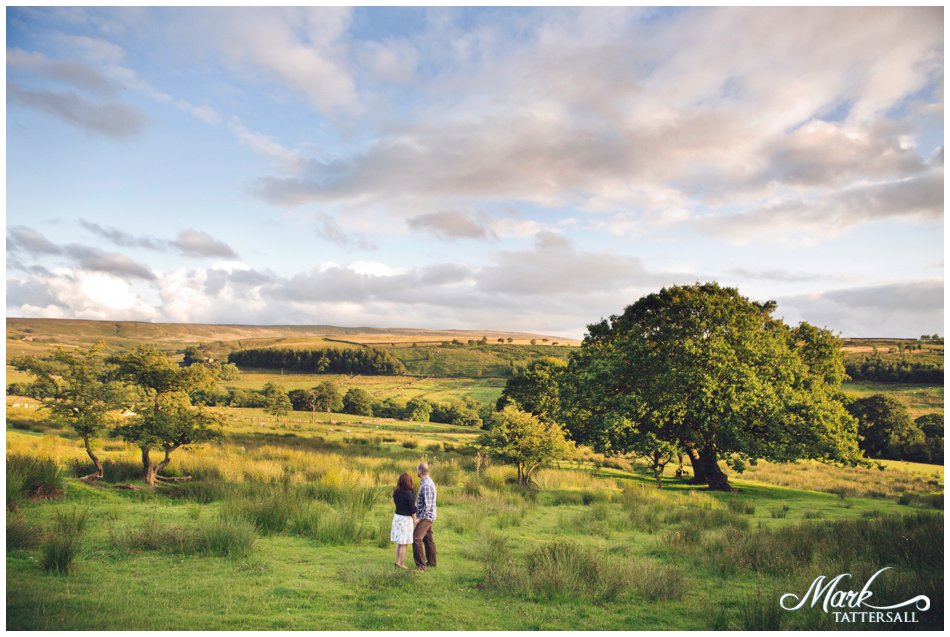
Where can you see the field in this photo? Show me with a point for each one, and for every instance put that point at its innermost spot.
(919, 399)
(310, 501)
(894, 348)
(285, 525)
(29, 336)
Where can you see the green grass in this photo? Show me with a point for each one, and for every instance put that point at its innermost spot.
(324, 560)
(285, 525)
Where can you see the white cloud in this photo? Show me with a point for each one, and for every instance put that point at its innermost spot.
(649, 122)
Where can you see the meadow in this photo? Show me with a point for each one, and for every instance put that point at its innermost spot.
(284, 524)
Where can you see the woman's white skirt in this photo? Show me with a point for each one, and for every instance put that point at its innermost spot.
(402, 529)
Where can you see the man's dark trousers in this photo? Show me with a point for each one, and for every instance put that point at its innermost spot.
(423, 546)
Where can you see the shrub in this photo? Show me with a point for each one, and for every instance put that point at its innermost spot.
(472, 487)
(409, 444)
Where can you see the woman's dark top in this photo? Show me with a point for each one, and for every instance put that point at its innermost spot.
(405, 501)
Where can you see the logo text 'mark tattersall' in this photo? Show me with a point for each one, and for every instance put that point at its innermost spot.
(853, 606)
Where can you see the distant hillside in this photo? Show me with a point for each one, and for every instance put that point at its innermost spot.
(894, 359)
(36, 336)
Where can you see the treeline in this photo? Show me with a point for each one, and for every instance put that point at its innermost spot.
(363, 360)
(876, 368)
(274, 399)
(887, 431)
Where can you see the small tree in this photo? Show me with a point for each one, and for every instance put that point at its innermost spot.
(358, 402)
(78, 391)
(326, 396)
(418, 409)
(164, 416)
(524, 440)
(276, 401)
(885, 427)
(657, 453)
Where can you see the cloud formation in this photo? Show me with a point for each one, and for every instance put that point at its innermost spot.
(189, 243)
(450, 224)
(905, 309)
(794, 118)
(23, 239)
(112, 119)
(195, 243)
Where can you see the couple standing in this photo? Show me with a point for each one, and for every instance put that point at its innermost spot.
(412, 523)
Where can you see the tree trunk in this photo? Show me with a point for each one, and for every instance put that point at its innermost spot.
(151, 471)
(713, 475)
(699, 471)
(329, 416)
(658, 473)
(95, 459)
(164, 463)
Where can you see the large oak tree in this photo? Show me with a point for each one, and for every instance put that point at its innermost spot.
(708, 370)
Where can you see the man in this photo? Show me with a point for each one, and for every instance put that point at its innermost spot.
(423, 546)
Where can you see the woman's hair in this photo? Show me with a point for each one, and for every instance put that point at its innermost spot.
(404, 483)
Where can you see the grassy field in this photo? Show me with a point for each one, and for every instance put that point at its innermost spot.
(892, 349)
(919, 399)
(285, 526)
(30, 336)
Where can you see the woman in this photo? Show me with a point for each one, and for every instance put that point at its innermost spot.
(405, 519)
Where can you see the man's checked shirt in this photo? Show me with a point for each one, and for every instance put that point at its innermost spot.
(425, 501)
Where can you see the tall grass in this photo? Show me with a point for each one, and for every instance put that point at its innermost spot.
(892, 540)
(20, 533)
(219, 536)
(335, 525)
(568, 570)
(269, 513)
(33, 477)
(64, 541)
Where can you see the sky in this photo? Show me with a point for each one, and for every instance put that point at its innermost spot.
(529, 169)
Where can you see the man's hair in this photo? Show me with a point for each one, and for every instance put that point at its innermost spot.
(423, 468)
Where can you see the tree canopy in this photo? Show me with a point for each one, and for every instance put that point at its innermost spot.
(534, 388)
(706, 369)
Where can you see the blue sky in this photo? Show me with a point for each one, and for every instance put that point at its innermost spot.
(523, 169)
